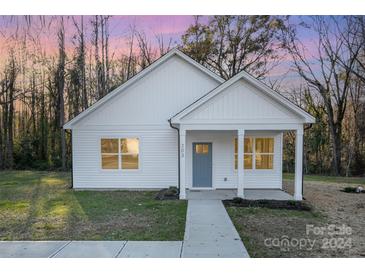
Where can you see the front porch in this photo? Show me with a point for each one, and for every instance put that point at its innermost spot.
(209, 161)
(249, 194)
(236, 132)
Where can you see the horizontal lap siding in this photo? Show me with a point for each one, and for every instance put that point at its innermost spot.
(158, 160)
(223, 161)
(142, 110)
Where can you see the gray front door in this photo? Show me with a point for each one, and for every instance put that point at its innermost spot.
(202, 164)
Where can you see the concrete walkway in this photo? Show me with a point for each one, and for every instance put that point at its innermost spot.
(210, 233)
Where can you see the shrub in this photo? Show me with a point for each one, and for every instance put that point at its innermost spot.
(349, 189)
(171, 193)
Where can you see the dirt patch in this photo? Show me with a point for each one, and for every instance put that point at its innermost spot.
(265, 232)
(283, 233)
(339, 208)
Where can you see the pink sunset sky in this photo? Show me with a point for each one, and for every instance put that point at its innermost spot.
(169, 27)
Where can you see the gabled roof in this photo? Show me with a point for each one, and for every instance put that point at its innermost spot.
(253, 81)
(141, 74)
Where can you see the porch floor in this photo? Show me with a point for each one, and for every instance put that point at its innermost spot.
(250, 194)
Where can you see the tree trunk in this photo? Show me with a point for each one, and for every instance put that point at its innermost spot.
(336, 147)
(43, 128)
(10, 141)
(61, 86)
(1, 144)
(83, 67)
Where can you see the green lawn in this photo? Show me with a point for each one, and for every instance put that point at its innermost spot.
(328, 179)
(40, 206)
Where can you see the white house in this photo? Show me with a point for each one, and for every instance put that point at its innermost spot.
(176, 123)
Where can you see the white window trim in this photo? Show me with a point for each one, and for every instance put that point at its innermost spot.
(254, 154)
(119, 169)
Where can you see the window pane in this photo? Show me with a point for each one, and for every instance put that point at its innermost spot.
(201, 148)
(264, 161)
(248, 161)
(129, 145)
(264, 145)
(109, 161)
(109, 145)
(198, 149)
(248, 145)
(130, 161)
(205, 149)
(235, 161)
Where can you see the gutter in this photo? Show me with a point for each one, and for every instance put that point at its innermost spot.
(178, 154)
(72, 170)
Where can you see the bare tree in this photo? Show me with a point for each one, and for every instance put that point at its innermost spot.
(146, 51)
(354, 38)
(162, 46)
(8, 97)
(60, 85)
(101, 50)
(81, 60)
(326, 75)
(130, 43)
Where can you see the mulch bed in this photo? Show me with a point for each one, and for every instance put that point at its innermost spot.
(273, 204)
(170, 193)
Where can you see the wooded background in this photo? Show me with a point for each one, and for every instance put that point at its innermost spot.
(41, 89)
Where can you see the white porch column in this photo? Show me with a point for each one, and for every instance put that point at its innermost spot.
(240, 166)
(298, 184)
(182, 164)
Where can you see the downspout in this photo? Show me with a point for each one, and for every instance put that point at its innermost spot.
(178, 154)
(305, 128)
(72, 170)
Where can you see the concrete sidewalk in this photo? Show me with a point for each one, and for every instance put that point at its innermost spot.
(90, 249)
(210, 233)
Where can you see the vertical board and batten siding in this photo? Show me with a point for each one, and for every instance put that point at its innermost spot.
(223, 160)
(141, 111)
(241, 103)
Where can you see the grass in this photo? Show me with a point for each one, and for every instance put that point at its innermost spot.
(328, 179)
(255, 225)
(37, 205)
